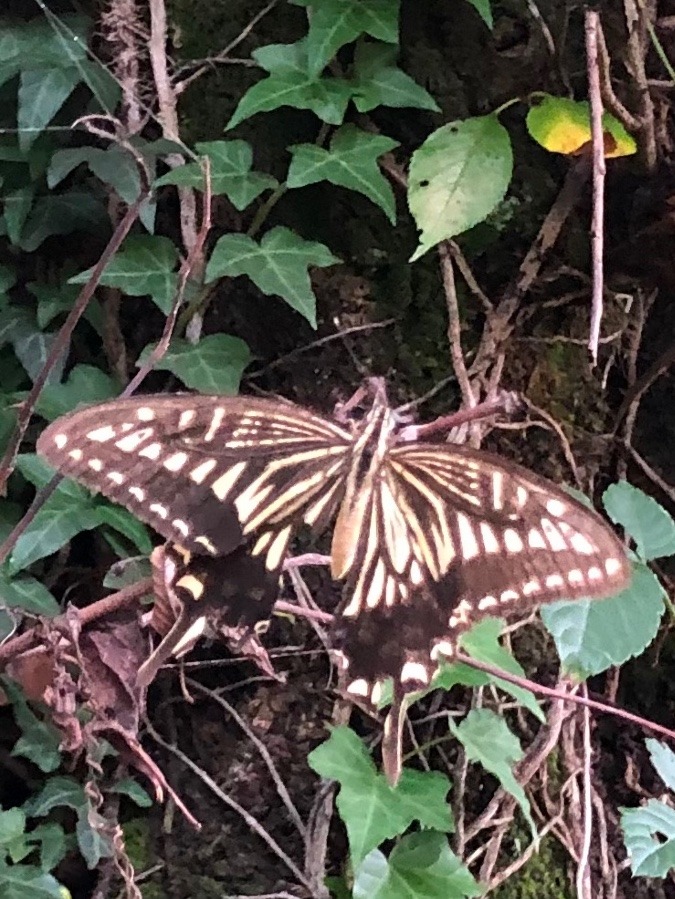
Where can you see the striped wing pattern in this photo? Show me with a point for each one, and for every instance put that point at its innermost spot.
(452, 535)
(429, 538)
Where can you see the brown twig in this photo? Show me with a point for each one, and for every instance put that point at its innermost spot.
(455, 326)
(63, 338)
(599, 169)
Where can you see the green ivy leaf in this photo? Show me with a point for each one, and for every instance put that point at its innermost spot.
(457, 177)
(482, 642)
(231, 162)
(53, 300)
(649, 834)
(64, 213)
(334, 23)
(58, 792)
(379, 82)
(214, 365)
(351, 162)
(12, 826)
(371, 809)
(484, 10)
(663, 759)
(85, 384)
(592, 635)
(291, 82)
(28, 882)
(93, 843)
(487, 739)
(52, 841)
(31, 345)
(39, 741)
(278, 265)
(131, 788)
(27, 594)
(42, 92)
(143, 266)
(127, 524)
(420, 865)
(647, 522)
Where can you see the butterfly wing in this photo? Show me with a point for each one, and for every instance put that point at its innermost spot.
(206, 472)
(451, 535)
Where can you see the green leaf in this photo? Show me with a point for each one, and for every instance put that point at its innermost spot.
(127, 524)
(114, 166)
(42, 92)
(484, 10)
(421, 866)
(457, 177)
(12, 825)
(371, 809)
(482, 642)
(351, 162)
(649, 834)
(592, 635)
(131, 788)
(39, 741)
(379, 82)
(487, 739)
(63, 213)
(644, 519)
(52, 840)
(292, 83)
(278, 265)
(27, 882)
(334, 23)
(57, 299)
(27, 594)
(17, 206)
(31, 344)
(214, 365)
(58, 792)
(231, 174)
(663, 759)
(85, 384)
(143, 266)
(93, 842)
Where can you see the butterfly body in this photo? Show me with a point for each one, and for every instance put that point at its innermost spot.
(428, 537)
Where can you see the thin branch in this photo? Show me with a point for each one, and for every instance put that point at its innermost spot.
(599, 170)
(455, 326)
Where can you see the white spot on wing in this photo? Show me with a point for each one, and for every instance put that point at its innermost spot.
(60, 440)
(175, 462)
(277, 549)
(487, 602)
(553, 581)
(467, 538)
(199, 473)
(490, 541)
(181, 526)
(222, 485)
(582, 545)
(498, 490)
(205, 542)
(145, 413)
(95, 464)
(535, 540)
(186, 417)
(416, 575)
(138, 492)
(414, 671)
(575, 577)
(358, 687)
(512, 541)
(509, 596)
(216, 421)
(612, 567)
(116, 477)
(131, 442)
(594, 574)
(159, 509)
(152, 451)
(555, 507)
(531, 587)
(555, 538)
(75, 455)
(101, 435)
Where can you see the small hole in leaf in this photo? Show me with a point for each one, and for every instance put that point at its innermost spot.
(424, 183)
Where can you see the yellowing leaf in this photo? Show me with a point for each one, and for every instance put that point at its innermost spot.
(564, 126)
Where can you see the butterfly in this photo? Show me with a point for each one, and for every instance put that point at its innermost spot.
(429, 538)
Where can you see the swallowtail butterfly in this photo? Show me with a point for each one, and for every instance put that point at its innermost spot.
(429, 538)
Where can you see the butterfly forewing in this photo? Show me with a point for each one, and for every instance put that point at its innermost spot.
(206, 472)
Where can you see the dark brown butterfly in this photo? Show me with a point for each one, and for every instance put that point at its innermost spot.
(430, 538)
